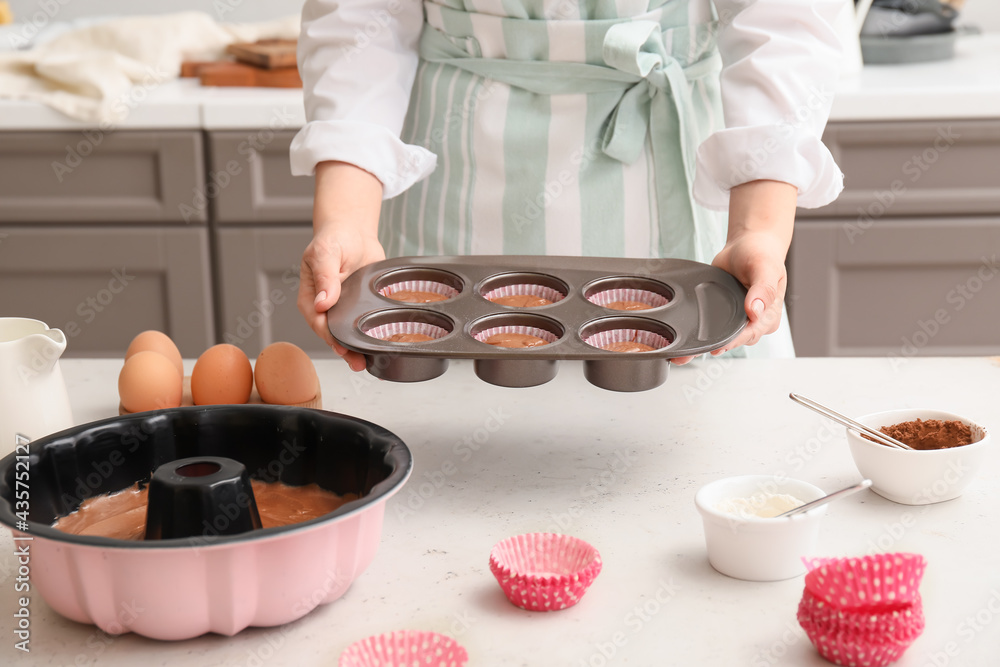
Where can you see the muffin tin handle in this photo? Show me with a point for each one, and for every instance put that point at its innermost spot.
(718, 310)
(709, 312)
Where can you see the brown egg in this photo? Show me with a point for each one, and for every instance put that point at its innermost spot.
(149, 381)
(156, 341)
(222, 374)
(285, 375)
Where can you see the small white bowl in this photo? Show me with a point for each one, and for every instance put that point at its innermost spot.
(757, 549)
(918, 477)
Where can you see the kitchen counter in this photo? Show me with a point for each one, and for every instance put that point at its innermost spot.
(621, 471)
(176, 105)
(966, 86)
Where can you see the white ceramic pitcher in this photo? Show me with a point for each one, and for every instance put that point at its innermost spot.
(33, 399)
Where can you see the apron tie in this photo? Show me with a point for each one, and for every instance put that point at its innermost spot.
(655, 99)
(658, 103)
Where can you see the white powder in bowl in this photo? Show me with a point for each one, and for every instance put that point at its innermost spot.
(759, 505)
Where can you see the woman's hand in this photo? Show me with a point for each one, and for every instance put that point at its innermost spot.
(345, 238)
(761, 219)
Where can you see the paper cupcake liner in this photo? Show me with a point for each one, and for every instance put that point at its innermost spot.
(419, 286)
(549, 293)
(405, 648)
(850, 653)
(651, 299)
(865, 611)
(605, 338)
(904, 623)
(867, 582)
(384, 331)
(545, 335)
(544, 571)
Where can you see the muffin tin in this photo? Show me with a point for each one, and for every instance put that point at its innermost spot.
(692, 308)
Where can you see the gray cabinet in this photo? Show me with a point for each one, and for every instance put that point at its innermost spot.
(104, 234)
(914, 168)
(258, 281)
(905, 262)
(262, 221)
(98, 176)
(905, 287)
(103, 285)
(250, 180)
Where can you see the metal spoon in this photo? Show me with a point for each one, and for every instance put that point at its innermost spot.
(843, 493)
(877, 436)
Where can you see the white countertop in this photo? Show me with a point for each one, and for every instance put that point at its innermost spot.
(967, 86)
(621, 471)
(181, 104)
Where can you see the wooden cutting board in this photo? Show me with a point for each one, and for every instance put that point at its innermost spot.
(240, 74)
(266, 53)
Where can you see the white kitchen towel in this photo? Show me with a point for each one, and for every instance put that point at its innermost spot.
(88, 72)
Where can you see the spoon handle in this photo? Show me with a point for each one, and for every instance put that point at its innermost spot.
(878, 436)
(863, 484)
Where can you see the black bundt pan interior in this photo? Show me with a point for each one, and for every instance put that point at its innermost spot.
(293, 445)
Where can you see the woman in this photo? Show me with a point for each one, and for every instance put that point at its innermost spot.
(602, 127)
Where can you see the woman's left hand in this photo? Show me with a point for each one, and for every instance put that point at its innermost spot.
(761, 218)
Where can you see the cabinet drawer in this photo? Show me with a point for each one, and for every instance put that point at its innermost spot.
(904, 288)
(251, 180)
(96, 176)
(258, 286)
(102, 286)
(915, 169)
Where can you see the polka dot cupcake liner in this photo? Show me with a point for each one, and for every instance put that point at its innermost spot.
(622, 295)
(405, 648)
(863, 612)
(545, 335)
(386, 331)
(544, 571)
(552, 295)
(854, 652)
(446, 291)
(605, 338)
(904, 622)
(868, 581)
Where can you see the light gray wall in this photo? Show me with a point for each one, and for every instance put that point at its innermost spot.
(223, 10)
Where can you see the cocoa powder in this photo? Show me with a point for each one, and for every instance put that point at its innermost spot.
(930, 433)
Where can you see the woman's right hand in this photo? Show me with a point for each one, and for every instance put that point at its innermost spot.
(345, 238)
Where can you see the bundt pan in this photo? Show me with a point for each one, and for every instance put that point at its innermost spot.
(178, 588)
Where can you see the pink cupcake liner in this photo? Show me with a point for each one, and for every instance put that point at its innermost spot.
(545, 335)
(851, 652)
(384, 331)
(863, 612)
(605, 338)
(904, 622)
(419, 286)
(544, 571)
(868, 581)
(549, 293)
(405, 648)
(651, 299)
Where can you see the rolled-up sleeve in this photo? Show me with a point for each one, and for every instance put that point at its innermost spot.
(781, 61)
(358, 59)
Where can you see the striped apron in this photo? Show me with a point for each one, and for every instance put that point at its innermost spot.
(561, 128)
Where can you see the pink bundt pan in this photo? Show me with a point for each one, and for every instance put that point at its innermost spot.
(181, 588)
(183, 593)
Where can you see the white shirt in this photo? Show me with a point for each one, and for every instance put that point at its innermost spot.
(781, 62)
